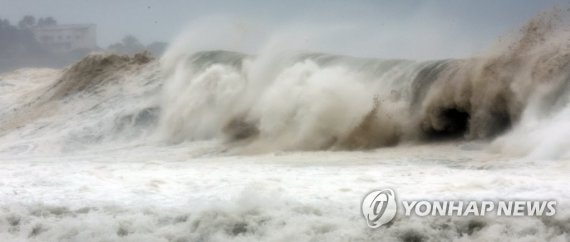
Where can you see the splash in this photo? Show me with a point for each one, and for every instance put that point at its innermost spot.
(301, 100)
(313, 101)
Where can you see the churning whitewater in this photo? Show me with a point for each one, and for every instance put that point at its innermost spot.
(219, 145)
(312, 101)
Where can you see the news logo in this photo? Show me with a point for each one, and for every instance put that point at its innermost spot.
(380, 207)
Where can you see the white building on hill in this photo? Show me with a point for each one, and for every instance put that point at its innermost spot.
(69, 37)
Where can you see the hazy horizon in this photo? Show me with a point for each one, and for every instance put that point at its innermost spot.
(403, 29)
(285, 121)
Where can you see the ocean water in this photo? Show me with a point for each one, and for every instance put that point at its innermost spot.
(225, 146)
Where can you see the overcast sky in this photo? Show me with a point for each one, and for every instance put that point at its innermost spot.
(405, 29)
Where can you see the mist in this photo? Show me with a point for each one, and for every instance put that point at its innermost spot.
(273, 120)
(378, 29)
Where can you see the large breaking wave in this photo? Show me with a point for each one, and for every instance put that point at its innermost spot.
(314, 101)
(123, 115)
(516, 91)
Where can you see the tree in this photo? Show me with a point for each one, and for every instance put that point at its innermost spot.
(5, 24)
(27, 22)
(130, 40)
(44, 22)
(20, 48)
(129, 45)
(17, 43)
(157, 48)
